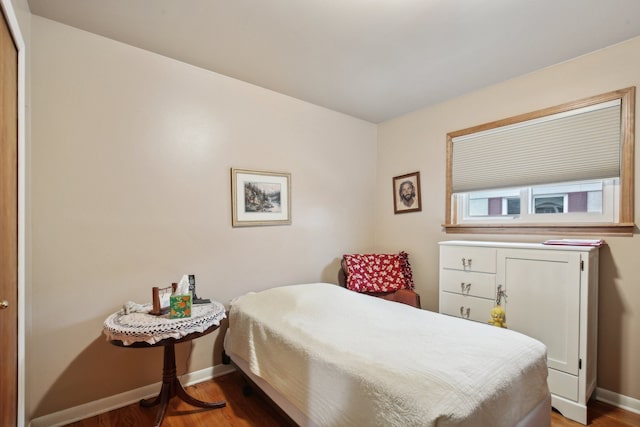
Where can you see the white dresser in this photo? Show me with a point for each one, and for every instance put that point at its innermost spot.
(550, 293)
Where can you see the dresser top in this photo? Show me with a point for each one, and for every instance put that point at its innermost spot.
(519, 245)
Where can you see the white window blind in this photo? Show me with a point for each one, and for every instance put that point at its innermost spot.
(576, 145)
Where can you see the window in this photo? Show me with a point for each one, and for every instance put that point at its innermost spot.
(563, 169)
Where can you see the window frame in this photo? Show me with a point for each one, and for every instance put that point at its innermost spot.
(625, 224)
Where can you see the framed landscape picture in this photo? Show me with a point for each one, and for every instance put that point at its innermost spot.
(406, 193)
(260, 198)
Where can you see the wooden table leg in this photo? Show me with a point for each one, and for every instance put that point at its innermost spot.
(171, 387)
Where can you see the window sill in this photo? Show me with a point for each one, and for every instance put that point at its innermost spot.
(624, 230)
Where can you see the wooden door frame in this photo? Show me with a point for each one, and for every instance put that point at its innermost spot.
(14, 28)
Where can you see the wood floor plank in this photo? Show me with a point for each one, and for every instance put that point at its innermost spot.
(256, 411)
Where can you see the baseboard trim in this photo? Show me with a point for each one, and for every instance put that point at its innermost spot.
(621, 401)
(110, 403)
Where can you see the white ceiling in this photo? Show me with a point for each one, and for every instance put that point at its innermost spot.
(372, 59)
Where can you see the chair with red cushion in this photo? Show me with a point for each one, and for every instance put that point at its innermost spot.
(385, 276)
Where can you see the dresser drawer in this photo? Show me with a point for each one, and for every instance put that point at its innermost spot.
(469, 283)
(468, 258)
(467, 307)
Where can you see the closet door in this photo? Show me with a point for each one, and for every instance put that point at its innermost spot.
(8, 227)
(543, 300)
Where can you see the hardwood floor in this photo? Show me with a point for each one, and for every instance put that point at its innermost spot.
(600, 414)
(241, 410)
(255, 411)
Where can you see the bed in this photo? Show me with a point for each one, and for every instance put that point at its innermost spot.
(328, 356)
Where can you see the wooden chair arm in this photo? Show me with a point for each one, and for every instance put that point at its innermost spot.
(407, 296)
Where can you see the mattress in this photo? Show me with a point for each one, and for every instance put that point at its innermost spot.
(340, 358)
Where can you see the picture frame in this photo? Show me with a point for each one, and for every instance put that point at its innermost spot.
(407, 193)
(160, 298)
(260, 198)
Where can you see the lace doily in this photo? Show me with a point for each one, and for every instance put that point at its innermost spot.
(143, 327)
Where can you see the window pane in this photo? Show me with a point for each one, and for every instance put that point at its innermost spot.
(494, 203)
(495, 206)
(577, 201)
(513, 206)
(594, 201)
(549, 204)
(568, 197)
(478, 207)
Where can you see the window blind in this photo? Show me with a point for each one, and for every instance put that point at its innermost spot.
(577, 145)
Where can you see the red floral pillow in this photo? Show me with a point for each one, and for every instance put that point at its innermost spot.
(378, 272)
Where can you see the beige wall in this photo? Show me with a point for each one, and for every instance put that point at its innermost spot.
(131, 158)
(416, 142)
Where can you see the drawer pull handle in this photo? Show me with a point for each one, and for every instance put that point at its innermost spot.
(466, 262)
(500, 294)
(465, 313)
(465, 287)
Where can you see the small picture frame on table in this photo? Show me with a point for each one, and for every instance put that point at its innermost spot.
(406, 193)
(161, 299)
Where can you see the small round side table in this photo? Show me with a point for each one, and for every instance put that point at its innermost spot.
(141, 330)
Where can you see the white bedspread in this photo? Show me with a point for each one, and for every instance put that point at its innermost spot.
(346, 359)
